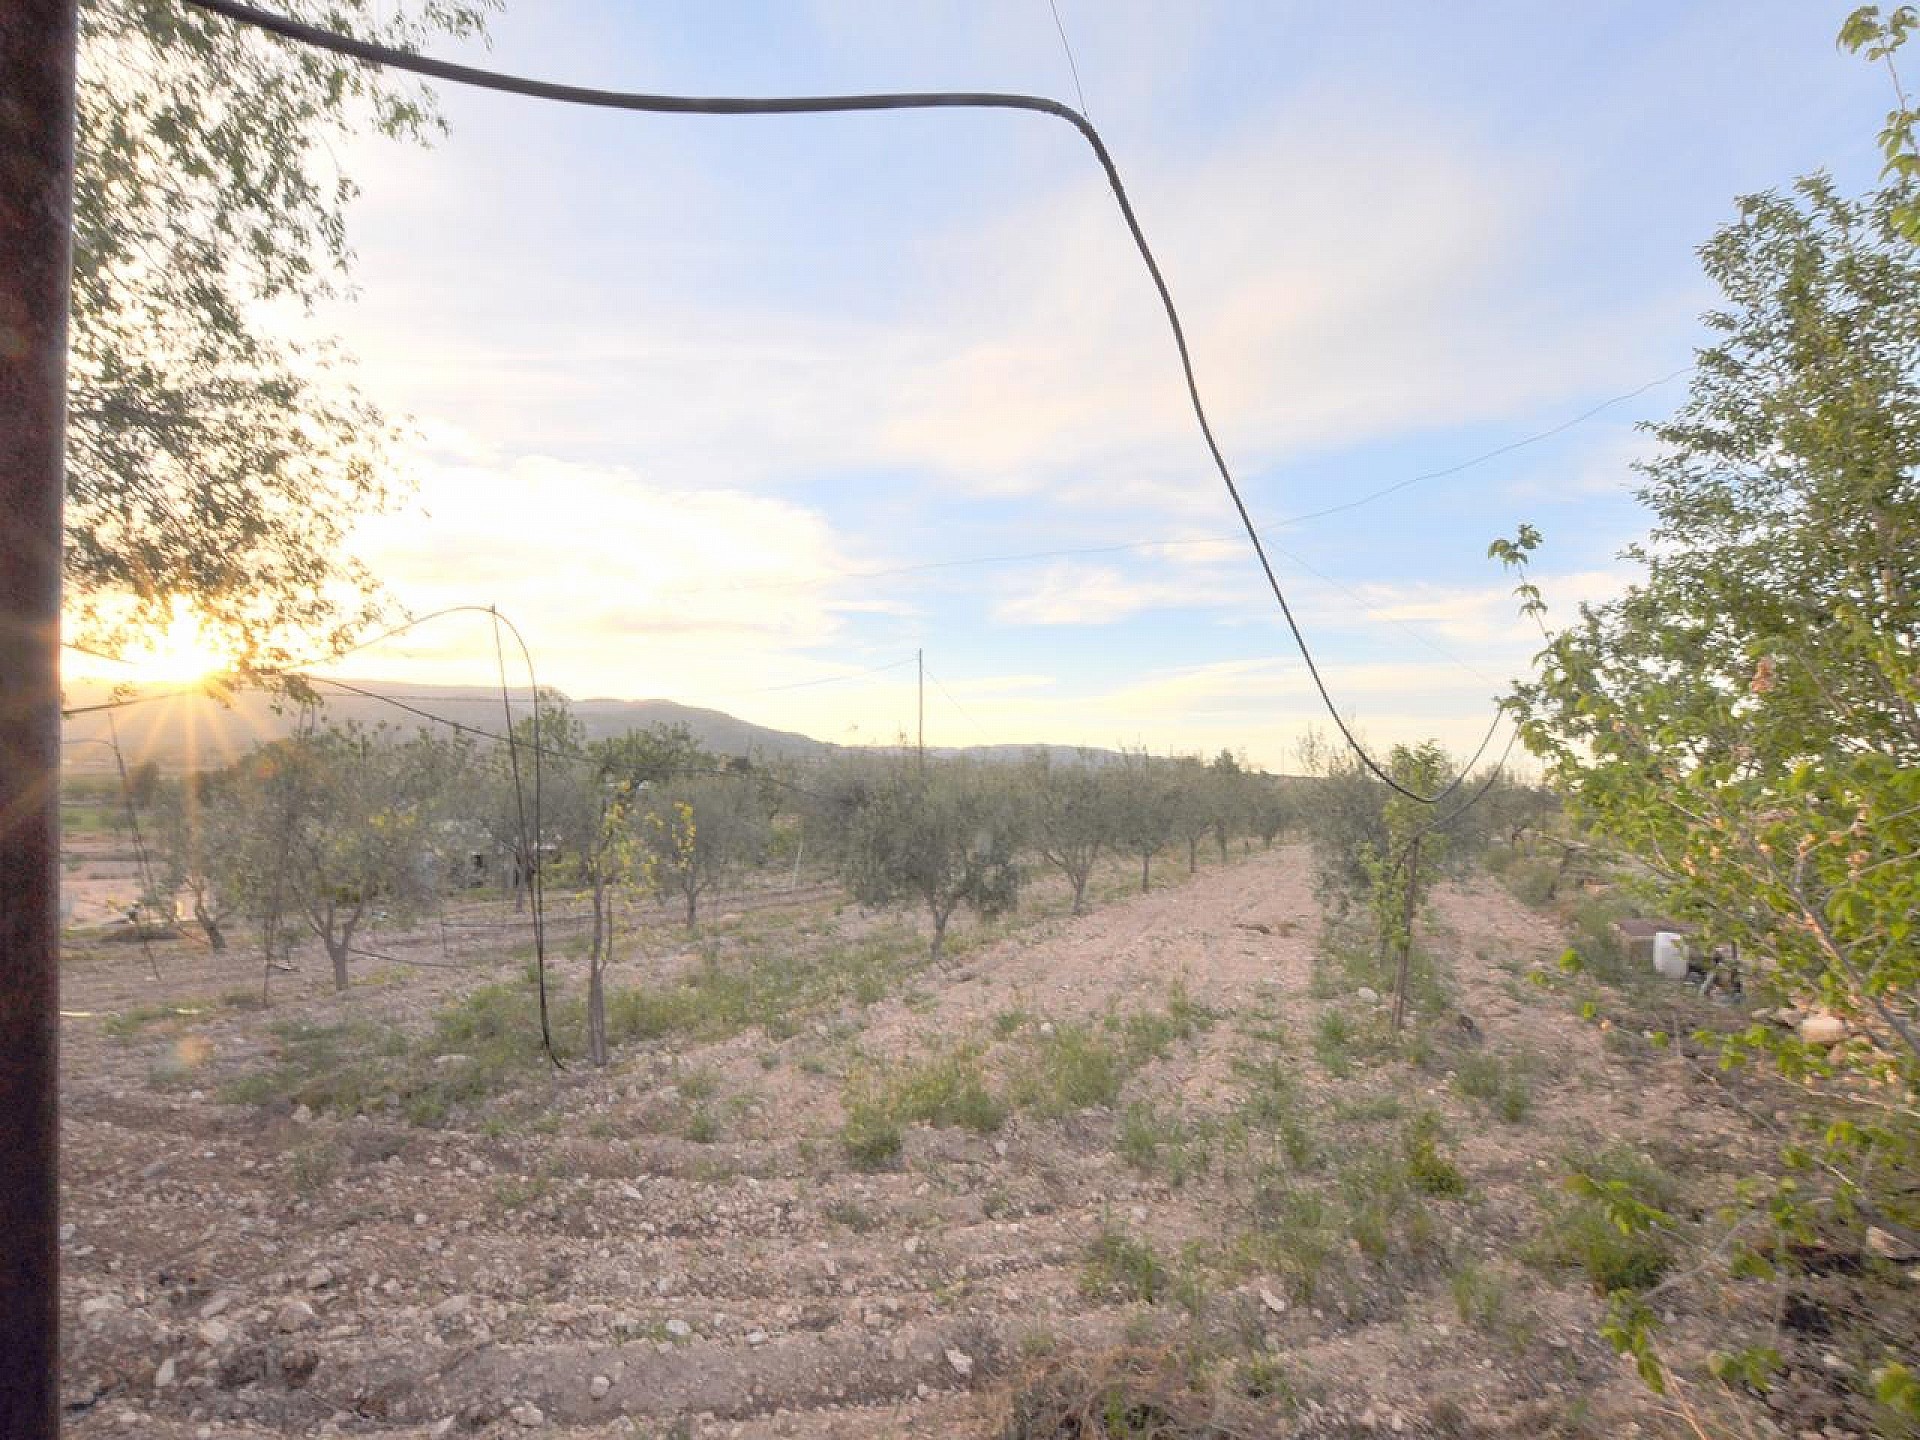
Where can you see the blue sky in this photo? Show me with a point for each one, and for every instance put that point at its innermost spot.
(683, 385)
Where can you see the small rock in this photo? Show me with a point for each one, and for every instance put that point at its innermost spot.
(163, 1377)
(679, 1329)
(756, 1337)
(1823, 1029)
(912, 1247)
(442, 1428)
(293, 1315)
(1367, 995)
(527, 1415)
(94, 1306)
(961, 1362)
(302, 1115)
(599, 1386)
(1046, 1028)
(452, 1308)
(1888, 1247)
(1273, 1302)
(419, 1217)
(217, 1305)
(319, 1277)
(215, 1333)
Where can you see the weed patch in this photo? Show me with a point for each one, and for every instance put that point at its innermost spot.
(1119, 1267)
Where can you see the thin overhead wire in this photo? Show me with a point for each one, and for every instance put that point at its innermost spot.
(1171, 542)
(832, 679)
(1072, 68)
(1394, 489)
(371, 53)
(940, 685)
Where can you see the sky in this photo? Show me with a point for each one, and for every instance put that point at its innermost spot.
(745, 412)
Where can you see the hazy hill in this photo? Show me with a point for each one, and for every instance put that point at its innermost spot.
(195, 730)
(190, 731)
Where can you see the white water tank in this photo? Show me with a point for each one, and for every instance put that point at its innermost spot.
(1670, 955)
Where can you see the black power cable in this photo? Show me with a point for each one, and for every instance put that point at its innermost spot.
(370, 53)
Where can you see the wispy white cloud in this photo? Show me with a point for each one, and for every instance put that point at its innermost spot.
(1068, 592)
(623, 585)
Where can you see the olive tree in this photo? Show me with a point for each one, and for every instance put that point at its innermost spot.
(944, 835)
(1070, 816)
(1145, 801)
(336, 825)
(699, 831)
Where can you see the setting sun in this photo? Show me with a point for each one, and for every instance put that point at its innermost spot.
(185, 651)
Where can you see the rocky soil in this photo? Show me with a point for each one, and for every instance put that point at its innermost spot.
(682, 1244)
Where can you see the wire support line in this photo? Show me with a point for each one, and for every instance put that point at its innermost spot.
(530, 852)
(1072, 68)
(1494, 454)
(952, 700)
(372, 53)
(107, 707)
(1171, 542)
(830, 679)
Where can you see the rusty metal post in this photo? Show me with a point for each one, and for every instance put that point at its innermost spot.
(37, 39)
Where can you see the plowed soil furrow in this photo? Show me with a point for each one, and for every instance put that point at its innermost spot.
(574, 1256)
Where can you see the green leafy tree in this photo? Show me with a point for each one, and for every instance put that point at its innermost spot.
(1402, 866)
(194, 820)
(1231, 799)
(1271, 808)
(699, 831)
(209, 455)
(1878, 37)
(336, 826)
(1342, 806)
(944, 835)
(1146, 807)
(1746, 719)
(616, 865)
(655, 755)
(1195, 804)
(1070, 816)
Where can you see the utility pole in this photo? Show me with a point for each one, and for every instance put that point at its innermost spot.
(920, 665)
(37, 40)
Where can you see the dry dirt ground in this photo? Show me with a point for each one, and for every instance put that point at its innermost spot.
(687, 1243)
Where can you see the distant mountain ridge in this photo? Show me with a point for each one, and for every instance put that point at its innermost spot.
(193, 731)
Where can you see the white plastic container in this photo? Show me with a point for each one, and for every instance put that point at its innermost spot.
(1670, 955)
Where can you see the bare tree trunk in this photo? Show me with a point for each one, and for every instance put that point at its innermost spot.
(693, 901)
(1146, 870)
(1193, 855)
(940, 918)
(1079, 879)
(596, 975)
(215, 940)
(338, 949)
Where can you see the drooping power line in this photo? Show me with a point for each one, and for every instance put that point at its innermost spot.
(371, 53)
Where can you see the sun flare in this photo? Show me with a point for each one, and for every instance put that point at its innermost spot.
(182, 653)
